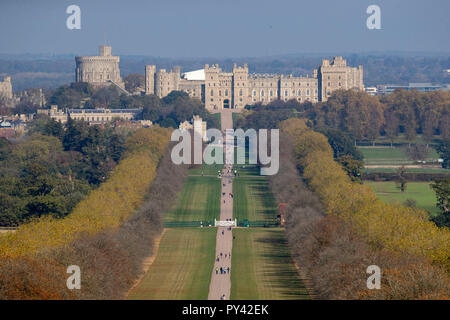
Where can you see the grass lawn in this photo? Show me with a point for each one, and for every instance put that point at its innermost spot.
(253, 199)
(198, 201)
(412, 170)
(419, 191)
(217, 116)
(387, 155)
(262, 267)
(182, 268)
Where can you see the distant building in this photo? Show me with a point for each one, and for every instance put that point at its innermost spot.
(372, 91)
(99, 70)
(6, 88)
(93, 116)
(197, 124)
(234, 90)
(422, 87)
(11, 129)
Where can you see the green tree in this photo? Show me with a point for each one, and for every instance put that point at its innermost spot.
(442, 189)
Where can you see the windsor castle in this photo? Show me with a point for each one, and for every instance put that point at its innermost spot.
(232, 90)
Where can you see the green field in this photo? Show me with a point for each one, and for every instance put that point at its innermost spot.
(262, 267)
(253, 199)
(182, 268)
(198, 201)
(390, 156)
(411, 170)
(419, 191)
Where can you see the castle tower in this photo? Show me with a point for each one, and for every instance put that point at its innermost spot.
(335, 74)
(99, 70)
(150, 74)
(212, 100)
(105, 51)
(240, 87)
(6, 88)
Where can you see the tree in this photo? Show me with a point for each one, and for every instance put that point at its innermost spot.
(351, 166)
(134, 81)
(443, 148)
(417, 152)
(442, 189)
(400, 179)
(391, 126)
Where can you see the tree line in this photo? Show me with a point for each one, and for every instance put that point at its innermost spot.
(365, 117)
(110, 259)
(337, 228)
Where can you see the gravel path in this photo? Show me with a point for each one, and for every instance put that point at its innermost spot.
(220, 286)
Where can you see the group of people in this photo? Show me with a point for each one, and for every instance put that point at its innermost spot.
(221, 256)
(223, 270)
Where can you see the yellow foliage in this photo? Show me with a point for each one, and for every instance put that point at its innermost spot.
(394, 227)
(106, 207)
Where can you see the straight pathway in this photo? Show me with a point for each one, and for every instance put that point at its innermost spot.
(220, 286)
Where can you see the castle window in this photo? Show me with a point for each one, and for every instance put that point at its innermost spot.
(271, 93)
(262, 94)
(220, 93)
(307, 92)
(328, 77)
(286, 93)
(226, 92)
(315, 92)
(329, 83)
(299, 99)
(254, 93)
(240, 93)
(340, 84)
(339, 77)
(299, 92)
(293, 92)
(212, 93)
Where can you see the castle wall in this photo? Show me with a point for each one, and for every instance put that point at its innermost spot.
(238, 88)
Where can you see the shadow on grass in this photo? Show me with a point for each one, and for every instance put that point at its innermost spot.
(279, 266)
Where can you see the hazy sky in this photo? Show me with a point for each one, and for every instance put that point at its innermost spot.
(226, 28)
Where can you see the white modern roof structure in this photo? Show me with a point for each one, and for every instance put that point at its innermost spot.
(195, 75)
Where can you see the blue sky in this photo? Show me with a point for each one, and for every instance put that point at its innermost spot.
(227, 28)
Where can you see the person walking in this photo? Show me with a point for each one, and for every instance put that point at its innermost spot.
(217, 270)
(228, 269)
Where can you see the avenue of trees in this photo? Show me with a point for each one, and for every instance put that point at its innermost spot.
(110, 256)
(106, 207)
(338, 228)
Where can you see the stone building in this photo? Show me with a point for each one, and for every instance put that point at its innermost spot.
(197, 125)
(99, 70)
(335, 74)
(6, 88)
(236, 89)
(92, 116)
